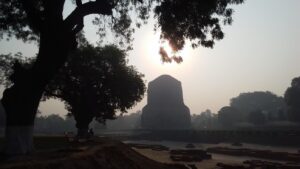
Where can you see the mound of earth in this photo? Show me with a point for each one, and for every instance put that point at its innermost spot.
(106, 154)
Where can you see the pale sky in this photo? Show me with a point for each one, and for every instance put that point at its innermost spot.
(260, 52)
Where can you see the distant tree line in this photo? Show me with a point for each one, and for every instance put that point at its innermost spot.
(205, 120)
(130, 121)
(255, 110)
(248, 110)
(56, 125)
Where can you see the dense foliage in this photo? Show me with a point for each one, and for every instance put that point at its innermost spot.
(257, 117)
(292, 99)
(228, 116)
(197, 20)
(97, 82)
(267, 102)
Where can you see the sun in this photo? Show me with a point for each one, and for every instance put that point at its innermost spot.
(153, 47)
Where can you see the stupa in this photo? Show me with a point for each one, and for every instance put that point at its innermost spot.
(165, 109)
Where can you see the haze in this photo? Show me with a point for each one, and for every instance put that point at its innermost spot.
(260, 52)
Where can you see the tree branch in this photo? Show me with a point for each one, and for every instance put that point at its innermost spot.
(78, 2)
(54, 10)
(80, 24)
(33, 15)
(93, 7)
(48, 93)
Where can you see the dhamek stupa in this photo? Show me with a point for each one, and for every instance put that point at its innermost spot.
(165, 109)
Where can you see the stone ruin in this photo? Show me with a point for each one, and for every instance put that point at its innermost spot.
(165, 109)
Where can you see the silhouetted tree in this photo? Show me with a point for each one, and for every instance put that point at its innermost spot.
(42, 21)
(229, 116)
(96, 83)
(267, 102)
(8, 62)
(257, 117)
(292, 99)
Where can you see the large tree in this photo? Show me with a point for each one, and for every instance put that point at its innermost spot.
(267, 102)
(96, 83)
(43, 21)
(257, 117)
(292, 99)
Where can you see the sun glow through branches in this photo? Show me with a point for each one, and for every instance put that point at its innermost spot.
(155, 47)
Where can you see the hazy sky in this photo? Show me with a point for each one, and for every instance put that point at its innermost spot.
(260, 52)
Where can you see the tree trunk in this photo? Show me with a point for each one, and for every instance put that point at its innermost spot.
(82, 133)
(83, 118)
(19, 140)
(20, 102)
(22, 99)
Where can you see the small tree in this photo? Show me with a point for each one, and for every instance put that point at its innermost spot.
(96, 83)
(292, 99)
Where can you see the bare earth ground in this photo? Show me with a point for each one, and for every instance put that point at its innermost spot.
(58, 153)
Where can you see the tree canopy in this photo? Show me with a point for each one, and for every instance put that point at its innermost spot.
(97, 82)
(292, 99)
(257, 117)
(197, 20)
(253, 101)
(229, 116)
(94, 82)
